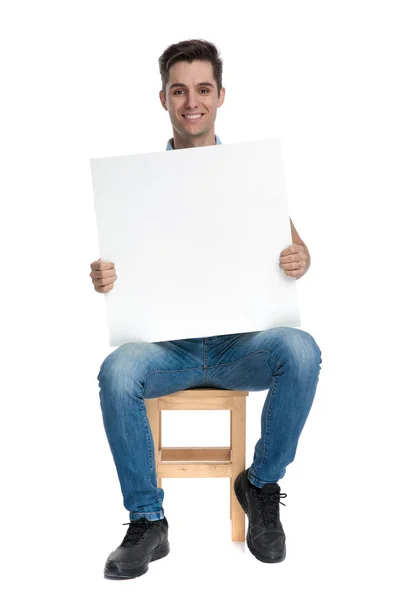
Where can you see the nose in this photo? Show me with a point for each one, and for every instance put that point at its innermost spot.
(191, 100)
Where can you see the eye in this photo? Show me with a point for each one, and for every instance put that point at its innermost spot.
(202, 89)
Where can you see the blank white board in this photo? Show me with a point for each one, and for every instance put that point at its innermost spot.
(195, 235)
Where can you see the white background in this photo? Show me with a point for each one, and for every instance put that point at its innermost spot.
(80, 79)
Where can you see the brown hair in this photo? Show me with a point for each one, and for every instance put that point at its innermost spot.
(190, 50)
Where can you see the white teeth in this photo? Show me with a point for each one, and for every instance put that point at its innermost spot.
(192, 117)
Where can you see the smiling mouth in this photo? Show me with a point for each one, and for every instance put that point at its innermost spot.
(190, 118)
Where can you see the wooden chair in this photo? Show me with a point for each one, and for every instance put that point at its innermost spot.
(204, 462)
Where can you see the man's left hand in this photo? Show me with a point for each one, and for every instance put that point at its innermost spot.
(293, 261)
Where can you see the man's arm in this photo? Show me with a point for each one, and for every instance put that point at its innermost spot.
(296, 239)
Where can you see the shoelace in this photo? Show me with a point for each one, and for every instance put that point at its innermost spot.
(268, 504)
(136, 531)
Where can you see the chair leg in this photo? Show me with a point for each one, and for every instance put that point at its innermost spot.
(238, 458)
(230, 495)
(231, 479)
(159, 479)
(238, 445)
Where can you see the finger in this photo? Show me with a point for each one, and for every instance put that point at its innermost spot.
(95, 275)
(104, 266)
(101, 265)
(104, 270)
(289, 250)
(286, 251)
(291, 265)
(105, 288)
(106, 281)
(293, 256)
(295, 266)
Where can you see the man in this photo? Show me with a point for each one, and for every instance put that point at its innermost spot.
(284, 360)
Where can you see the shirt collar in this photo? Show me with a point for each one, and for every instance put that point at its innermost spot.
(169, 145)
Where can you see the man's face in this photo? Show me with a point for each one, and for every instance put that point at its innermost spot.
(195, 94)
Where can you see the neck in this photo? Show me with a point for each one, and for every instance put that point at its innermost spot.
(179, 142)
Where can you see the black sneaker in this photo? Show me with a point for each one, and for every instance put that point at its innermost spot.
(265, 536)
(144, 542)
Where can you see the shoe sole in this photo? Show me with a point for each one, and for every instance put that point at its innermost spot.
(115, 572)
(243, 503)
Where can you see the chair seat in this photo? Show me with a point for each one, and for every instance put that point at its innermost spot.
(198, 462)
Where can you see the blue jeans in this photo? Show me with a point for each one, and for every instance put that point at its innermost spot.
(284, 360)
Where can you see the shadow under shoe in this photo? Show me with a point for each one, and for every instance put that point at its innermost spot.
(144, 542)
(265, 537)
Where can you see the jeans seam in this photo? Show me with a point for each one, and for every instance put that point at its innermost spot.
(144, 414)
(148, 431)
(208, 367)
(267, 429)
(165, 371)
(269, 409)
(153, 512)
(243, 357)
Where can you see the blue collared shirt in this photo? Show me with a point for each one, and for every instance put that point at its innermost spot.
(169, 145)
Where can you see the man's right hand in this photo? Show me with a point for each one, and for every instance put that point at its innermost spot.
(103, 275)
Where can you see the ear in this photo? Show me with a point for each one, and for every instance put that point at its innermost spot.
(221, 97)
(162, 100)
